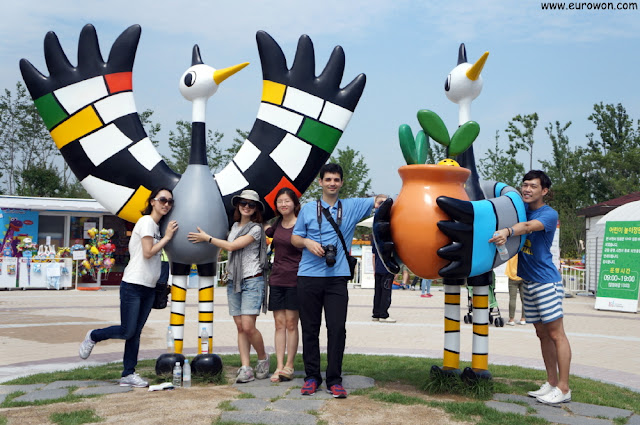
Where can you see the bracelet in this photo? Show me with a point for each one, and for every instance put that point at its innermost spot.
(511, 231)
(210, 240)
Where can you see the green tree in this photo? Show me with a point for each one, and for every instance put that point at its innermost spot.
(357, 183)
(612, 159)
(26, 149)
(501, 165)
(151, 128)
(232, 150)
(522, 135)
(180, 145)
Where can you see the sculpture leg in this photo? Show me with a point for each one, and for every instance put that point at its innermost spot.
(480, 344)
(206, 274)
(180, 274)
(451, 356)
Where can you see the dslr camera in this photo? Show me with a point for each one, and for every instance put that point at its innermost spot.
(330, 252)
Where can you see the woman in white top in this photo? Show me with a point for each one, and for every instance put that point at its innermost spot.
(137, 289)
(246, 285)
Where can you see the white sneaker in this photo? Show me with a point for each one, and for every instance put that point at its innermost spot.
(555, 397)
(511, 323)
(387, 320)
(245, 374)
(545, 389)
(262, 368)
(86, 346)
(375, 319)
(133, 380)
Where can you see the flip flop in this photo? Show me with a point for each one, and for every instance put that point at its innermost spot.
(276, 375)
(286, 374)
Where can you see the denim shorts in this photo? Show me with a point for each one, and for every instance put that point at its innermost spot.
(249, 301)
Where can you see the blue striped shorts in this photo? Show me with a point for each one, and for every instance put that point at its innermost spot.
(543, 301)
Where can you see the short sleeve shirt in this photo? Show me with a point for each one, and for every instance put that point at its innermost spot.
(250, 253)
(140, 270)
(535, 262)
(307, 226)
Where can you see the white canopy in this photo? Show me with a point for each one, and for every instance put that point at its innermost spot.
(51, 204)
(626, 212)
(366, 223)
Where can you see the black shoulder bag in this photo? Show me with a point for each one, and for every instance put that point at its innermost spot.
(352, 261)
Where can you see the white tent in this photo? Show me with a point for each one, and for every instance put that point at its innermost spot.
(626, 212)
(366, 223)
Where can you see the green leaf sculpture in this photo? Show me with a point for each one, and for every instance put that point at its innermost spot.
(433, 125)
(414, 151)
(464, 136)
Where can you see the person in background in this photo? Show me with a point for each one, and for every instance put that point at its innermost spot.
(425, 288)
(283, 288)
(543, 289)
(247, 249)
(383, 280)
(515, 286)
(137, 289)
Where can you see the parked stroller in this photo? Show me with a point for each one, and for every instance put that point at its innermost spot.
(494, 310)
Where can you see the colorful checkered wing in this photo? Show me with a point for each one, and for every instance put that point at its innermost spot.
(300, 120)
(91, 114)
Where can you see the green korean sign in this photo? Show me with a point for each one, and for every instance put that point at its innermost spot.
(619, 278)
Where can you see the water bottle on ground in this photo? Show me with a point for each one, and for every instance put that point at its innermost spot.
(204, 341)
(177, 375)
(502, 250)
(170, 340)
(186, 374)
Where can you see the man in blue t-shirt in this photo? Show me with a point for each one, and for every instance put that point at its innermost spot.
(322, 280)
(543, 290)
(383, 281)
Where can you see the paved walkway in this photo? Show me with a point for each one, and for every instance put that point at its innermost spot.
(40, 332)
(282, 403)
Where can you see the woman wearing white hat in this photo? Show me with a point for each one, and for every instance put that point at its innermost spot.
(246, 245)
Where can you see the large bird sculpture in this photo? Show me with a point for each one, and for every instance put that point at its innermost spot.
(472, 223)
(90, 112)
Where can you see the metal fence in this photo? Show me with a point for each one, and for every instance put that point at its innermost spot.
(573, 279)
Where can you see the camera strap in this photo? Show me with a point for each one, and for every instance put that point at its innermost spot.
(337, 229)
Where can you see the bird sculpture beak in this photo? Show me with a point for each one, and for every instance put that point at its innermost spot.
(222, 74)
(474, 72)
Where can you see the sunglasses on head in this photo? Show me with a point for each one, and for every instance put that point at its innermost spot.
(164, 200)
(249, 204)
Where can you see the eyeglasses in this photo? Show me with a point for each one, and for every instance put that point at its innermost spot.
(247, 204)
(284, 202)
(164, 201)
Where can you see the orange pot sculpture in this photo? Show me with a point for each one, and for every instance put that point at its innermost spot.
(415, 214)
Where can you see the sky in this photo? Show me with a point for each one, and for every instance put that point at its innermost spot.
(556, 63)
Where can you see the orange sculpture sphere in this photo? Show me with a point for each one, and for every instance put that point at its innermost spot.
(415, 214)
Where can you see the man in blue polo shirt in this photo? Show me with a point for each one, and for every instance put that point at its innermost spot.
(543, 290)
(322, 284)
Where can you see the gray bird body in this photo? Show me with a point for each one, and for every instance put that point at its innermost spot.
(198, 203)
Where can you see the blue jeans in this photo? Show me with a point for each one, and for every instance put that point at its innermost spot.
(135, 306)
(425, 286)
(249, 301)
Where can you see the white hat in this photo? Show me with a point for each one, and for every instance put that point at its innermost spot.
(250, 195)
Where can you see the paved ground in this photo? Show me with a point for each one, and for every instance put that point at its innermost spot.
(41, 330)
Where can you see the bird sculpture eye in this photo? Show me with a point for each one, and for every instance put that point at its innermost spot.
(447, 84)
(190, 79)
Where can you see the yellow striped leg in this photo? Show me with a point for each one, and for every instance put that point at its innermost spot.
(451, 359)
(205, 310)
(480, 346)
(178, 298)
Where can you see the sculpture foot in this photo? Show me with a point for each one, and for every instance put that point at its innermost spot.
(206, 364)
(470, 376)
(437, 371)
(166, 362)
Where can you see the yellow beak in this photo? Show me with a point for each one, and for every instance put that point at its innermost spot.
(474, 72)
(222, 74)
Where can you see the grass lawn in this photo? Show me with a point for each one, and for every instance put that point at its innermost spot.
(388, 371)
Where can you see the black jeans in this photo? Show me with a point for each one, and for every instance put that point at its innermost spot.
(135, 306)
(382, 295)
(314, 294)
